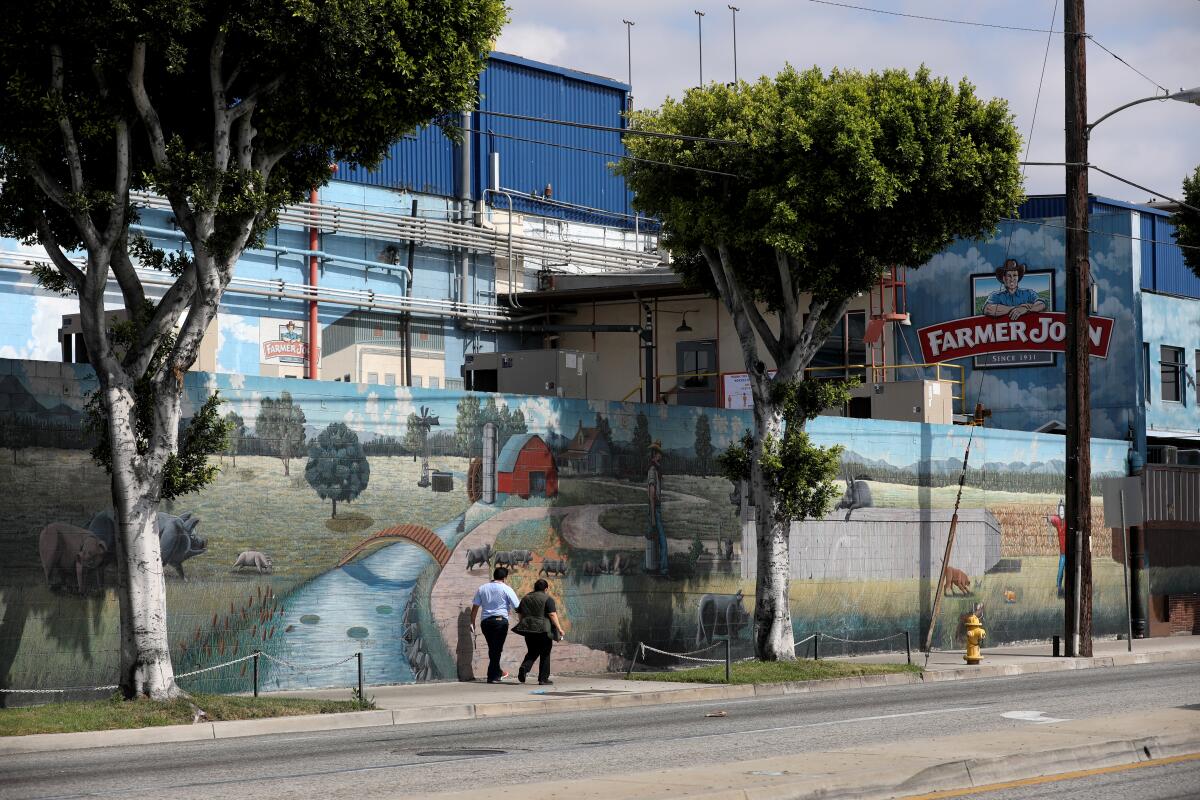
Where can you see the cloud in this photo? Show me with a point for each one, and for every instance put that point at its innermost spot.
(41, 337)
(537, 42)
(237, 328)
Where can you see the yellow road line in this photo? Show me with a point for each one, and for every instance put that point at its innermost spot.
(1065, 776)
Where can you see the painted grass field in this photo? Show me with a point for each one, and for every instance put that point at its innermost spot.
(253, 506)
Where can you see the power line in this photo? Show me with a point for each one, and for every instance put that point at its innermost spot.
(610, 128)
(609, 155)
(1126, 63)
(934, 19)
(1130, 237)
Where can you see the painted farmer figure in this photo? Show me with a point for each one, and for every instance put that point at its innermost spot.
(1012, 301)
(656, 536)
(1059, 523)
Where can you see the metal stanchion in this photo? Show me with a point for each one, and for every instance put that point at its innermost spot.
(907, 647)
(728, 677)
(256, 652)
(633, 661)
(360, 676)
(817, 646)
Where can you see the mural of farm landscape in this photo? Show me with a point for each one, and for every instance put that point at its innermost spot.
(352, 517)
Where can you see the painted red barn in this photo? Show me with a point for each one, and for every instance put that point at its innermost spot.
(525, 467)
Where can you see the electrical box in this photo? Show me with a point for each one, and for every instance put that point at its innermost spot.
(908, 401)
(550, 373)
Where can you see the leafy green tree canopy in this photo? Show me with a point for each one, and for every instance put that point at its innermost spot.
(1187, 222)
(280, 427)
(823, 179)
(337, 468)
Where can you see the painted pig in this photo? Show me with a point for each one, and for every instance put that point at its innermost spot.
(177, 536)
(66, 550)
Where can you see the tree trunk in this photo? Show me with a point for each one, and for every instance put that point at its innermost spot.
(145, 668)
(334, 508)
(773, 637)
(286, 467)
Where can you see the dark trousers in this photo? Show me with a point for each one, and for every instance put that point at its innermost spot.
(538, 646)
(495, 630)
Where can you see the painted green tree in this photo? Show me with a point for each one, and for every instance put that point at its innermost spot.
(639, 445)
(337, 468)
(280, 428)
(225, 112)
(236, 428)
(468, 425)
(1187, 222)
(415, 434)
(703, 446)
(798, 190)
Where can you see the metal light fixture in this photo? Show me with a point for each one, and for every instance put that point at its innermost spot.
(683, 326)
(1191, 96)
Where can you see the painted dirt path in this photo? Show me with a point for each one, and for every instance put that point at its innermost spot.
(581, 529)
(450, 604)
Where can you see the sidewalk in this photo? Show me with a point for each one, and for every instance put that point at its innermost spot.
(899, 769)
(435, 702)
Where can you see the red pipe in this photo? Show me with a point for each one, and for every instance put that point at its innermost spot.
(313, 245)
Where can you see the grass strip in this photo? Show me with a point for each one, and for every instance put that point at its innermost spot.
(775, 672)
(115, 713)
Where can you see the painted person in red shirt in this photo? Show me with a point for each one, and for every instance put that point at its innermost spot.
(1059, 524)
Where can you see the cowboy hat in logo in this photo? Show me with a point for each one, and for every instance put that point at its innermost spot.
(290, 347)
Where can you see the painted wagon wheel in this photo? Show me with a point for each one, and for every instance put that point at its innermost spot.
(475, 480)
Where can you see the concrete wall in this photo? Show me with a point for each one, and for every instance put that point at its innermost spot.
(403, 605)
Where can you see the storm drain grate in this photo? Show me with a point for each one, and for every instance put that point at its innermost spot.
(480, 751)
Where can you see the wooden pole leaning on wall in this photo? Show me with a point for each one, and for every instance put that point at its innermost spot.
(941, 584)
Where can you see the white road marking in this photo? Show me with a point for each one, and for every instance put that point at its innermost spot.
(828, 723)
(1036, 717)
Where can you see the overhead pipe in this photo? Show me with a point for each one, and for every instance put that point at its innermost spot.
(170, 233)
(334, 219)
(314, 245)
(281, 290)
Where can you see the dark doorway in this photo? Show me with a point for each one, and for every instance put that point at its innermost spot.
(537, 484)
(696, 381)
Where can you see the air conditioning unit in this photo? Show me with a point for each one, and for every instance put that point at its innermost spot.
(1162, 454)
(1189, 458)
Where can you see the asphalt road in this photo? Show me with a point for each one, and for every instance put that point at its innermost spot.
(1169, 782)
(419, 759)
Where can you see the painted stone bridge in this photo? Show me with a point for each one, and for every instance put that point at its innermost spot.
(417, 534)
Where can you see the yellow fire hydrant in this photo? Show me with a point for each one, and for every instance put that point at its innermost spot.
(975, 634)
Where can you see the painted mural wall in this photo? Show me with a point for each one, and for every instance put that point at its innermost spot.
(1025, 391)
(354, 517)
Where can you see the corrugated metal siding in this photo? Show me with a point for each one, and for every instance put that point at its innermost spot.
(1171, 494)
(1163, 258)
(1049, 206)
(421, 163)
(540, 153)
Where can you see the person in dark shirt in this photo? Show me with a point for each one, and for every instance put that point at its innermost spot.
(540, 626)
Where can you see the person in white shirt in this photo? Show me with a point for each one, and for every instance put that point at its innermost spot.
(497, 599)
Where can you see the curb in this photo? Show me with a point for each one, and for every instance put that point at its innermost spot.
(54, 742)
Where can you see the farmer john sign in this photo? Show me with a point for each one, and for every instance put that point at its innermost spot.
(283, 341)
(1015, 324)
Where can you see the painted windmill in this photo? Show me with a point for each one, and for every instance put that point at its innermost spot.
(425, 421)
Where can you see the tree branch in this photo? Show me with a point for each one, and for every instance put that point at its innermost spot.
(166, 313)
(114, 234)
(63, 264)
(244, 152)
(823, 315)
(748, 307)
(70, 144)
(132, 291)
(146, 111)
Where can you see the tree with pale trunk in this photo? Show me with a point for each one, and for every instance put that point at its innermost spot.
(796, 192)
(227, 111)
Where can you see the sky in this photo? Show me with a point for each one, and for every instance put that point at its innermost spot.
(1154, 144)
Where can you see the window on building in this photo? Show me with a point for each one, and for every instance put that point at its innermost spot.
(68, 351)
(347, 378)
(433, 382)
(844, 348)
(389, 379)
(1146, 369)
(417, 381)
(454, 383)
(372, 377)
(1171, 367)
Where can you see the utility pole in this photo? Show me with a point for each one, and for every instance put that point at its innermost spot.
(734, 9)
(1078, 597)
(700, 40)
(629, 58)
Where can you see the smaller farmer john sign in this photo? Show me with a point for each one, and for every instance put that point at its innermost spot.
(289, 346)
(1014, 323)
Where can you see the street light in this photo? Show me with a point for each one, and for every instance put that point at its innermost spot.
(629, 56)
(734, 9)
(1183, 95)
(700, 39)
